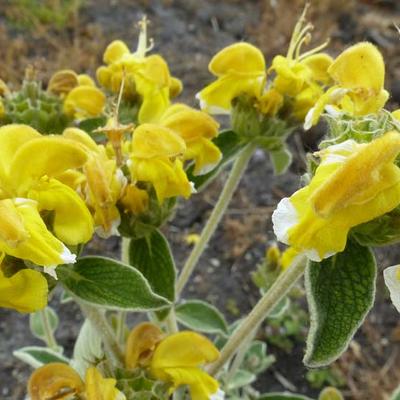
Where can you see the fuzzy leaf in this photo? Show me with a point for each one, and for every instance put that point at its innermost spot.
(151, 255)
(340, 292)
(36, 322)
(111, 284)
(201, 316)
(283, 396)
(36, 356)
(280, 159)
(240, 379)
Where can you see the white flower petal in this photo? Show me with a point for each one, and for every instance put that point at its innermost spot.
(392, 281)
(283, 218)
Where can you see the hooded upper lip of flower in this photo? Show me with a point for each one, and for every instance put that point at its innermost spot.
(359, 74)
(197, 129)
(354, 183)
(178, 358)
(239, 68)
(53, 379)
(29, 165)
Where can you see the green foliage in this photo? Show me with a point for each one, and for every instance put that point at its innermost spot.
(28, 14)
(36, 356)
(137, 385)
(201, 316)
(151, 255)
(330, 393)
(36, 322)
(340, 292)
(105, 282)
(283, 396)
(35, 107)
(318, 378)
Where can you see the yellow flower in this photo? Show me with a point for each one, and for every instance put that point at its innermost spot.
(156, 158)
(354, 183)
(359, 74)
(58, 380)
(178, 358)
(99, 388)
(240, 69)
(146, 76)
(135, 200)
(29, 164)
(197, 129)
(24, 291)
(84, 101)
(287, 257)
(301, 76)
(141, 344)
(104, 182)
(63, 82)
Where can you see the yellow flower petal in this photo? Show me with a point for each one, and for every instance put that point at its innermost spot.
(353, 184)
(85, 80)
(168, 177)
(135, 200)
(52, 380)
(63, 81)
(103, 75)
(2, 109)
(206, 155)
(25, 291)
(240, 57)
(175, 87)
(189, 123)
(141, 343)
(47, 156)
(150, 140)
(319, 64)
(177, 359)
(72, 222)
(12, 137)
(12, 228)
(80, 136)
(99, 388)
(360, 66)
(115, 51)
(40, 246)
(84, 102)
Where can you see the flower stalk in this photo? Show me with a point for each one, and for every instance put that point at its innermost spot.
(48, 332)
(231, 184)
(257, 315)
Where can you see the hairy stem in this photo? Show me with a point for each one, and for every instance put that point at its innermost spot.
(121, 315)
(233, 180)
(48, 332)
(257, 315)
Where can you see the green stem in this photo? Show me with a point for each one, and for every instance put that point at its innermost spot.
(100, 323)
(241, 353)
(48, 332)
(171, 323)
(233, 180)
(257, 315)
(121, 315)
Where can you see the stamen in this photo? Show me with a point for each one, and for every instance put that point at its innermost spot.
(298, 31)
(314, 50)
(305, 40)
(142, 47)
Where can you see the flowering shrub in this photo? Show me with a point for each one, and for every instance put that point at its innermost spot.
(113, 158)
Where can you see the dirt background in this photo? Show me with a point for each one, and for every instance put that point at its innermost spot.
(187, 33)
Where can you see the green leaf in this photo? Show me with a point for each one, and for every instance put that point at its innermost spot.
(201, 316)
(151, 255)
(240, 379)
(280, 159)
(330, 393)
(105, 282)
(36, 322)
(340, 292)
(37, 356)
(396, 394)
(283, 396)
(230, 144)
(91, 124)
(256, 359)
